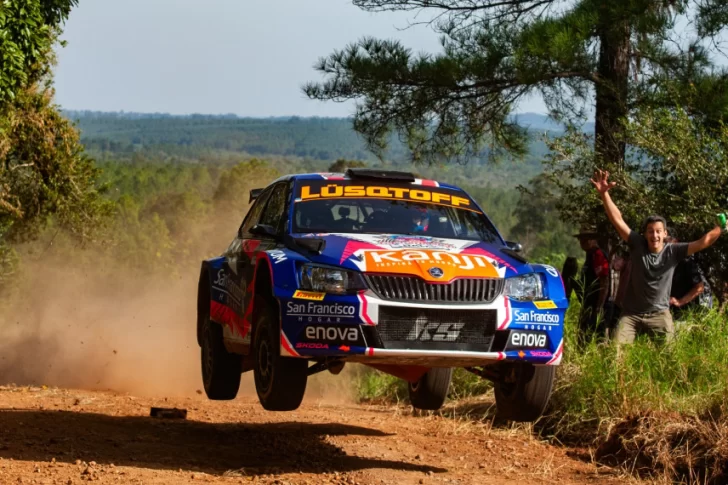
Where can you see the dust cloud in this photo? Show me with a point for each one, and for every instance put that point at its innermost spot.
(102, 327)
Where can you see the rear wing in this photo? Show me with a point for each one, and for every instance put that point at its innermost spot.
(254, 194)
(375, 174)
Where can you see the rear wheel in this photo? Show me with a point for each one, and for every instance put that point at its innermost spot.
(220, 369)
(430, 391)
(524, 392)
(279, 381)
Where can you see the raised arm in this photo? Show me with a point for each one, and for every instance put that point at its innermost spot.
(602, 184)
(704, 242)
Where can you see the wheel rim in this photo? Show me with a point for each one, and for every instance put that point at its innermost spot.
(265, 364)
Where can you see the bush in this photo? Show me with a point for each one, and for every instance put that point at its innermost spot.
(605, 383)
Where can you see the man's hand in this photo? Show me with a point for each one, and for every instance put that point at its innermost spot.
(601, 182)
(674, 302)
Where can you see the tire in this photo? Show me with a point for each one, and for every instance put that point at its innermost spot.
(220, 369)
(525, 398)
(431, 390)
(279, 381)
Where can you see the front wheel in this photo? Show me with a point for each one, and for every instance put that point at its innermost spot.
(430, 391)
(524, 392)
(279, 381)
(220, 369)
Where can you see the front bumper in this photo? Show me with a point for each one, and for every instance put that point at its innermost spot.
(364, 328)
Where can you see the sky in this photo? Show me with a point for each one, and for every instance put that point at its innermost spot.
(247, 57)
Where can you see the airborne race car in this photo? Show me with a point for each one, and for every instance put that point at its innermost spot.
(405, 275)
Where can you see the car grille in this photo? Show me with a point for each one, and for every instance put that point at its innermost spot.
(413, 289)
(405, 327)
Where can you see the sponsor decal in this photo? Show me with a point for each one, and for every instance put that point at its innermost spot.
(419, 262)
(532, 316)
(344, 348)
(308, 295)
(425, 331)
(413, 242)
(311, 345)
(277, 256)
(313, 312)
(223, 282)
(310, 192)
(544, 305)
(334, 334)
(527, 339)
(539, 353)
(521, 354)
(551, 270)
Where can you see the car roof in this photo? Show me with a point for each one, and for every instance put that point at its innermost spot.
(344, 176)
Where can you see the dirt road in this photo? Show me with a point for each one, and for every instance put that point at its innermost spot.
(58, 436)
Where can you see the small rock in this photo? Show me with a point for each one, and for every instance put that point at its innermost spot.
(78, 462)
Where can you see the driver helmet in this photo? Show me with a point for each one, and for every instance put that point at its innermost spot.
(420, 219)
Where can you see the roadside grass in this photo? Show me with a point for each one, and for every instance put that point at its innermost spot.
(604, 382)
(654, 409)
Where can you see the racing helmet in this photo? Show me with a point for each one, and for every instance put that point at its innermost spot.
(420, 219)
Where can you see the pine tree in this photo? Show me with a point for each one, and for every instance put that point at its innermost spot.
(613, 56)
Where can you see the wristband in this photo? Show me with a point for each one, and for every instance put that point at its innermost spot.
(722, 220)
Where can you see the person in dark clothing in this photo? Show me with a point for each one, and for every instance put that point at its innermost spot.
(690, 289)
(593, 287)
(568, 274)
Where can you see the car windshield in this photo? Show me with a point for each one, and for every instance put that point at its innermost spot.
(351, 207)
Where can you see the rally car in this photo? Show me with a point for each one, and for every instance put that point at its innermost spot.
(405, 275)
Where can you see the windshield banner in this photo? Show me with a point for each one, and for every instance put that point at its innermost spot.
(312, 190)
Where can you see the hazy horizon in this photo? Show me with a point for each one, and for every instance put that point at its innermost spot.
(247, 59)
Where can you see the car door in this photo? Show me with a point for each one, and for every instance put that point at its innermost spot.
(231, 279)
(253, 245)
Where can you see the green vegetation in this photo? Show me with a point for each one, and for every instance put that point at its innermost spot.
(611, 56)
(678, 168)
(45, 177)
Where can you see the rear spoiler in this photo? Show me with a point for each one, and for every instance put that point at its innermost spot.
(375, 174)
(254, 194)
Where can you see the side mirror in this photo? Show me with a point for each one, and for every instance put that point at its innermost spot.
(514, 246)
(264, 230)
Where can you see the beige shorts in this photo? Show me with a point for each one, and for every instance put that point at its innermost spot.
(657, 324)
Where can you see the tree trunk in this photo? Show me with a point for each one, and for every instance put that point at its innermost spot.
(612, 86)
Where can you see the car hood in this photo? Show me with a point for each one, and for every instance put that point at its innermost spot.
(433, 259)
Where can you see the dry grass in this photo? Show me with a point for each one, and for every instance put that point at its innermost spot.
(687, 449)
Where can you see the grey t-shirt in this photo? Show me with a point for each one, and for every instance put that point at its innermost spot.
(651, 276)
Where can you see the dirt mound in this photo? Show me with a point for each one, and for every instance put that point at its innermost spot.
(682, 448)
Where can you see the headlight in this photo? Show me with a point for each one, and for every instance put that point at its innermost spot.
(525, 288)
(330, 280)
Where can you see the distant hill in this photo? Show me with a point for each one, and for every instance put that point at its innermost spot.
(314, 141)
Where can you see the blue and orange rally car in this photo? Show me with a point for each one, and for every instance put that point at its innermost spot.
(405, 275)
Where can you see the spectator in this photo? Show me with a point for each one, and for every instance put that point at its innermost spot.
(568, 274)
(646, 304)
(593, 287)
(619, 267)
(690, 289)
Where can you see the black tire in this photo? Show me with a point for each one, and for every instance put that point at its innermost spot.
(220, 369)
(525, 397)
(431, 390)
(279, 381)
